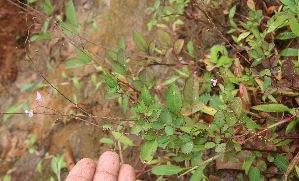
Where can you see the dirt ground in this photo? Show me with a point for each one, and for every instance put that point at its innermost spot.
(55, 133)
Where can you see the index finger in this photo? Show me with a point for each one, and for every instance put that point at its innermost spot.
(83, 170)
(108, 167)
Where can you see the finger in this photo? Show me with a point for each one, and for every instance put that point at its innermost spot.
(108, 167)
(83, 171)
(126, 173)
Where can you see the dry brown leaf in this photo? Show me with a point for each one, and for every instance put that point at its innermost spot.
(289, 70)
(271, 9)
(6, 144)
(292, 165)
(228, 165)
(243, 94)
(251, 4)
(214, 178)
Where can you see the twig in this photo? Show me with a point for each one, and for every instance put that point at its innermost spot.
(120, 152)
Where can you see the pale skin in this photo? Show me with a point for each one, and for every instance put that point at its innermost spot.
(107, 169)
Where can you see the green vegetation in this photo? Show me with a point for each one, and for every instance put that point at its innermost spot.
(239, 101)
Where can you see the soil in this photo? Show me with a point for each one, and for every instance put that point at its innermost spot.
(12, 33)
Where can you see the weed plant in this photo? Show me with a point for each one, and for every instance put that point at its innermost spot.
(238, 102)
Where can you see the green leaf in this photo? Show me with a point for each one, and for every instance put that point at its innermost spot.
(76, 83)
(237, 106)
(224, 61)
(119, 69)
(173, 99)
(70, 13)
(271, 108)
(190, 48)
(54, 165)
(121, 43)
(204, 98)
(247, 163)
(219, 118)
(289, 52)
(47, 7)
(169, 130)
(220, 148)
(171, 80)
(11, 109)
(166, 170)
(285, 36)
(187, 147)
(243, 35)
(152, 47)
(297, 171)
(39, 166)
(216, 51)
(267, 82)
(278, 23)
(165, 39)
(281, 162)
(294, 24)
(83, 55)
(146, 77)
(209, 145)
(190, 91)
(107, 141)
(166, 117)
(122, 138)
(125, 103)
(148, 150)
(140, 42)
(42, 36)
(231, 17)
(198, 174)
(146, 96)
(112, 53)
(167, 54)
(111, 95)
(215, 102)
(178, 45)
(250, 124)
(68, 28)
(137, 84)
(255, 174)
(26, 86)
(291, 125)
(74, 63)
(109, 81)
(121, 57)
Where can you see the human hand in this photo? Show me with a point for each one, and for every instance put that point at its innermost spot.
(108, 169)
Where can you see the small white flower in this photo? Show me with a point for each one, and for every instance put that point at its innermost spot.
(214, 82)
(39, 97)
(30, 113)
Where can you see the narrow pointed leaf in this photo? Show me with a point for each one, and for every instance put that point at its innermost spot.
(167, 170)
(74, 63)
(271, 108)
(122, 138)
(178, 45)
(70, 13)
